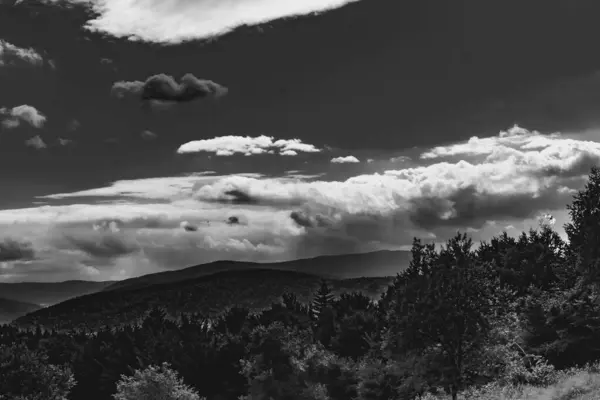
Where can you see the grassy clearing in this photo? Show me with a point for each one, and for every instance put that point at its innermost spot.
(575, 384)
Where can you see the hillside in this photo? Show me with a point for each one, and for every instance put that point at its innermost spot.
(11, 309)
(255, 289)
(345, 266)
(48, 293)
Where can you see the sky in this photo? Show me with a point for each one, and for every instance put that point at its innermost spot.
(139, 136)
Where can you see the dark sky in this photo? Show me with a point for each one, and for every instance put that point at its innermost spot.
(373, 79)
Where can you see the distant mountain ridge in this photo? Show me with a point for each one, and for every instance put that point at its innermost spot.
(344, 266)
(11, 309)
(209, 295)
(49, 293)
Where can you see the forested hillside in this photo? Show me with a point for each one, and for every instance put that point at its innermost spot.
(515, 318)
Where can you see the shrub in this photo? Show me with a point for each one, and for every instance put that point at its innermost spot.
(154, 383)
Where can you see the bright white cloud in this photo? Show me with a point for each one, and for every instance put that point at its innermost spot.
(344, 160)
(230, 145)
(23, 113)
(10, 53)
(185, 220)
(172, 21)
(167, 188)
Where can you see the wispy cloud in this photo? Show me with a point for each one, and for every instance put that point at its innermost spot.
(230, 145)
(173, 21)
(10, 54)
(148, 135)
(23, 113)
(64, 142)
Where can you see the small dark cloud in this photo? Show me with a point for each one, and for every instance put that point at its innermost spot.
(236, 196)
(189, 227)
(306, 220)
(301, 218)
(163, 88)
(14, 250)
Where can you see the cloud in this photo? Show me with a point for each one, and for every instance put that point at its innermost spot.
(64, 142)
(164, 89)
(14, 250)
(188, 227)
(36, 142)
(343, 160)
(22, 113)
(73, 125)
(149, 188)
(148, 135)
(230, 145)
(511, 177)
(138, 224)
(174, 21)
(97, 243)
(9, 54)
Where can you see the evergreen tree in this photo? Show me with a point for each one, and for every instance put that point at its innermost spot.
(584, 229)
(323, 298)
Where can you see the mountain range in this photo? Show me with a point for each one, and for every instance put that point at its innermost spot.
(207, 288)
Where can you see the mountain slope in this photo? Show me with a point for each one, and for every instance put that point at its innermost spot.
(345, 266)
(11, 309)
(48, 293)
(209, 295)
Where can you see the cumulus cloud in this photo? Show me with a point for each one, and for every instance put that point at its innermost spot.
(10, 54)
(14, 250)
(23, 113)
(230, 145)
(64, 142)
(165, 89)
(344, 160)
(174, 21)
(479, 191)
(510, 177)
(36, 142)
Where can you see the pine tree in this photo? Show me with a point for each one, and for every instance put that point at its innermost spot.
(323, 298)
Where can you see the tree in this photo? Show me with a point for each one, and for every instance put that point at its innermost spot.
(584, 229)
(441, 314)
(154, 383)
(323, 298)
(27, 375)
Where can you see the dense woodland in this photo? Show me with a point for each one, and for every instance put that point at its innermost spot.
(512, 311)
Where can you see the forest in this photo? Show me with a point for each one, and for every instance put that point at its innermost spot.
(463, 321)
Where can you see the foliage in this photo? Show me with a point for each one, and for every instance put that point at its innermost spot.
(26, 374)
(154, 383)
